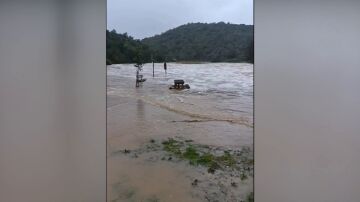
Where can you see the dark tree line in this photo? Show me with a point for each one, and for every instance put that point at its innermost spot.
(214, 42)
(121, 48)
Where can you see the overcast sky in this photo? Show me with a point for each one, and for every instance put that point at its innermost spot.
(145, 18)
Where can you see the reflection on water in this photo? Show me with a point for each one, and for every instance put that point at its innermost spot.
(216, 111)
(140, 109)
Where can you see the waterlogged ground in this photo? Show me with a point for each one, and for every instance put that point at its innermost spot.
(192, 145)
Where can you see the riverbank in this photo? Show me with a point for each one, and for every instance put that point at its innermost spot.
(190, 145)
(141, 167)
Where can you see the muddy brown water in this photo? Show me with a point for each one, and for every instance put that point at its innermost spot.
(153, 112)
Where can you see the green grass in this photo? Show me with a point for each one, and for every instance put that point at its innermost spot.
(206, 159)
(227, 159)
(172, 146)
(192, 155)
(195, 157)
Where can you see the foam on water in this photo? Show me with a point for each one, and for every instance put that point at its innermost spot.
(219, 91)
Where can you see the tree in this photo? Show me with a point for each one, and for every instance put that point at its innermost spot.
(216, 42)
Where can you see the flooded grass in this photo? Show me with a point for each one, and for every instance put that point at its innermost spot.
(226, 159)
(227, 169)
(172, 146)
(200, 155)
(191, 155)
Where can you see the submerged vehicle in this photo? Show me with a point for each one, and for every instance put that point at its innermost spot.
(179, 84)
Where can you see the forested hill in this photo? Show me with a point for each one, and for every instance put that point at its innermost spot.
(214, 42)
(121, 48)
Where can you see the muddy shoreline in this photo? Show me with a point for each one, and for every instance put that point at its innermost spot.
(140, 168)
(223, 182)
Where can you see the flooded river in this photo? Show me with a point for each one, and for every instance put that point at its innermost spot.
(216, 112)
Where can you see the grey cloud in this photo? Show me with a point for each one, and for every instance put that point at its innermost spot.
(144, 18)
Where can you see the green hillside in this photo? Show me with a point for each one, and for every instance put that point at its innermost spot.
(214, 42)
(121, 48)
